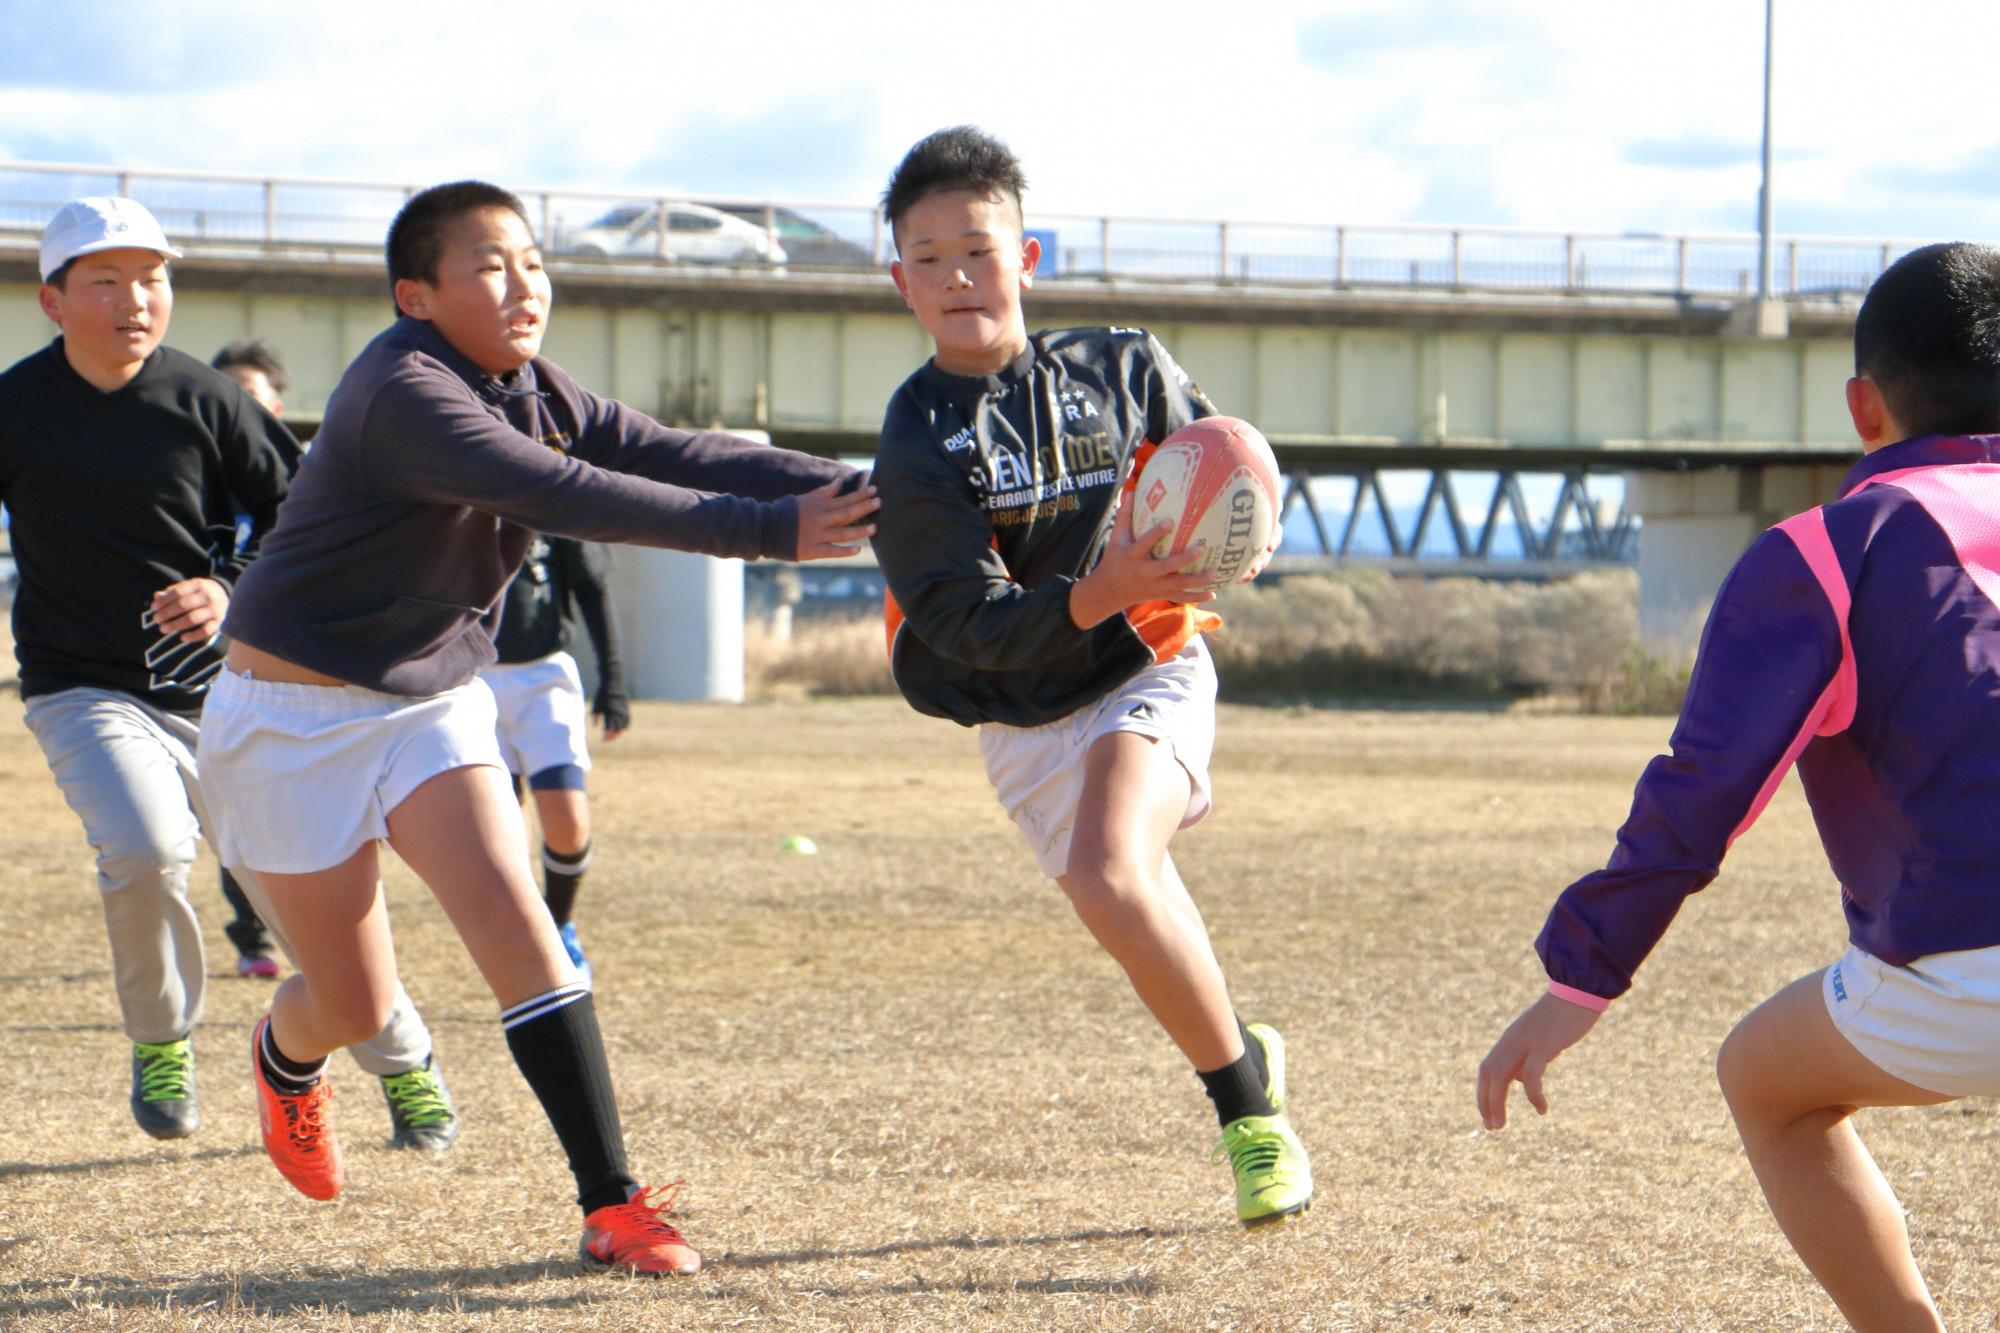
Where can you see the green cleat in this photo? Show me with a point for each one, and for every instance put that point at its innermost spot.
(163, 1097)
(1273, 1178)
(420, 1110)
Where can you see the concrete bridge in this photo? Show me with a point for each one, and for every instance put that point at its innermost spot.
(1721, 414)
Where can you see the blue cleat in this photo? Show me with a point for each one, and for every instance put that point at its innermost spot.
(575, 951)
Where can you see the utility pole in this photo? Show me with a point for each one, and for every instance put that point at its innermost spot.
(1767, 315)
(1765, 257)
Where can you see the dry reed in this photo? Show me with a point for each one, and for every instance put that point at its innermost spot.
(1355, 635)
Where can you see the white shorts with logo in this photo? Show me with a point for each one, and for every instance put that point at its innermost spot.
(1037, 772)
(1935, 1023)
(542, 713)
(300, 777)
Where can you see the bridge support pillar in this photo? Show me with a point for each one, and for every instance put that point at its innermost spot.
(680, 621)
(680, 624)
(1696, 524)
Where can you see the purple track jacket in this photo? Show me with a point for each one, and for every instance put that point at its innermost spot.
(1861, 641)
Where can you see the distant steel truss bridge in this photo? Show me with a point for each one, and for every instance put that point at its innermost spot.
(1491, 522)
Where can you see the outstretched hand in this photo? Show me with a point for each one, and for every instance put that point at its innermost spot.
(831, 524)
(1546, 1029)
(1129, 573)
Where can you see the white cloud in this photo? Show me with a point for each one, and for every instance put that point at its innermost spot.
(1562, 113)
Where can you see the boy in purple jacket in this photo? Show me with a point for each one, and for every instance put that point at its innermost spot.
(350, 711)
(1860, 640)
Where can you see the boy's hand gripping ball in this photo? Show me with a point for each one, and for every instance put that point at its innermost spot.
(1217, 482)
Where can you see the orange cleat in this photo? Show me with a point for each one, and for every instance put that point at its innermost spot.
(633, 1236)
(297, 1133)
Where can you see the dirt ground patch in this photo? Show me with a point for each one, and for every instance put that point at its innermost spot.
(907, 1092)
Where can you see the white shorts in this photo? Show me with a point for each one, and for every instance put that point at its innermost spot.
(1935, 1023)
(1037, 772)
(299, 777)
(542, 713)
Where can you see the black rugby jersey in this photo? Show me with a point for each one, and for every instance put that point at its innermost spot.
(997, 495)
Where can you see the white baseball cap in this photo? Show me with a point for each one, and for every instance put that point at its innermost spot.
(100, 223)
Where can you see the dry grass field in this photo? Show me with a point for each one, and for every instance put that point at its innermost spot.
(907, 1092)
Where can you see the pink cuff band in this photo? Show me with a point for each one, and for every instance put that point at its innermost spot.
(1581, 997)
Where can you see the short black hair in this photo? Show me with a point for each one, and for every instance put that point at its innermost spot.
(254, 354)
(963, 157)
(416, 237)
(1928, 335)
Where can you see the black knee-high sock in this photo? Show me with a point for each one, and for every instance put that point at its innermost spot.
(556, 1043)
(562, 876)
(1238, 1088)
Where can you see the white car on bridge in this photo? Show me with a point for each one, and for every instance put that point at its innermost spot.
(694, 233)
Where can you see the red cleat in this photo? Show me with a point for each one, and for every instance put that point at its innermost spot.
(297, 1133)
(633, 1236)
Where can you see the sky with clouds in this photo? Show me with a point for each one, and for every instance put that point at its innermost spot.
(1540, 113)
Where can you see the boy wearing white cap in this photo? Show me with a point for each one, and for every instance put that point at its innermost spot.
(123, 465)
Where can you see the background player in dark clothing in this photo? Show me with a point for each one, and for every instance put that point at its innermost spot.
(539, 691)
(126, 537)
(253, 364)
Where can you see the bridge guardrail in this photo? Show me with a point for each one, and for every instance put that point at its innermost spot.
(680, 228)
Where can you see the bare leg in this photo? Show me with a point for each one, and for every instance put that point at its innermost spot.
(461, 832)
(338, 930)
(1177, 897)
(1129, 896)
(565, 820)
(1793, 1084)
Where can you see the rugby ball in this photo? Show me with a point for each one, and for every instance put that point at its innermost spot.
(1216, 480)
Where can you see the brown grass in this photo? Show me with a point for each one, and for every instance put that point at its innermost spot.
(908, 1093)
